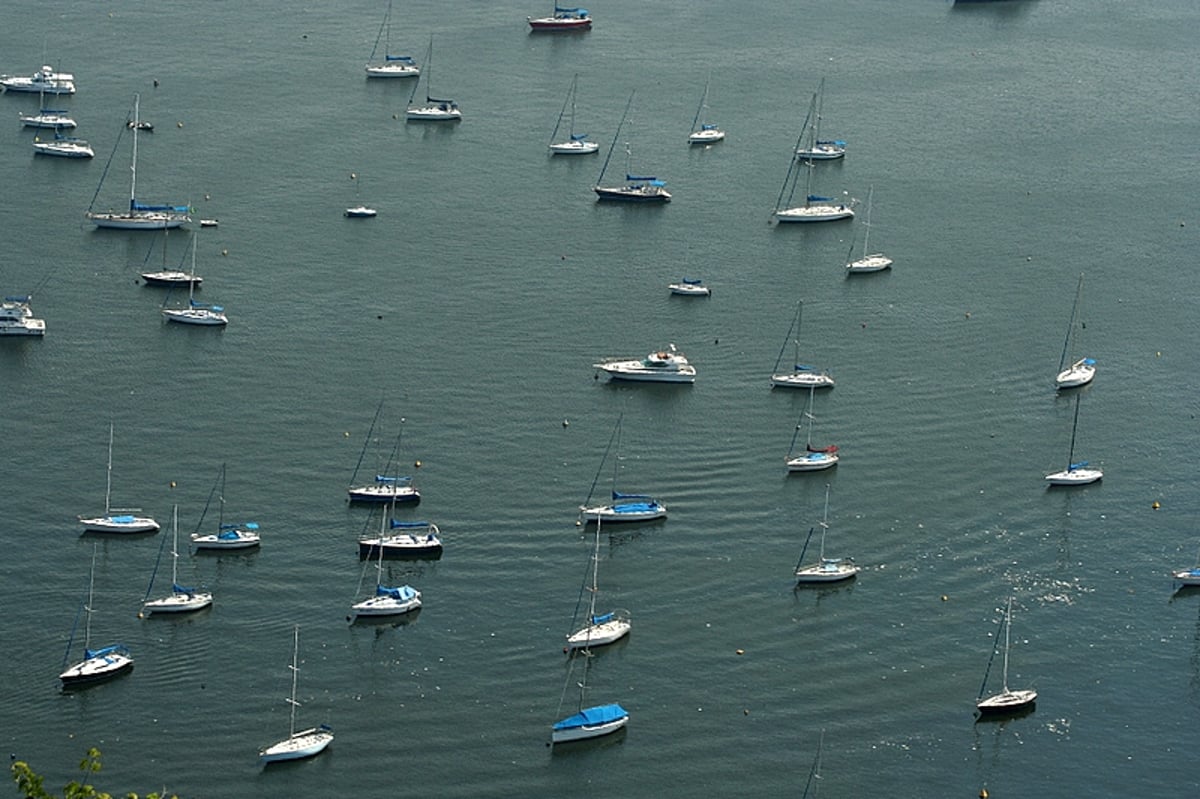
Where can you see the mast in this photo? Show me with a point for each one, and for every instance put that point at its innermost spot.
(1062, 361)
(137, 100)
(591, 620)
(867, 224)
(87, 621)
(811, 397)
(295, 676)
(824, 523)
(174, 547)
(616, 137)
(1074, 427)
(703, 100)
(1007, 628)
(108, 479)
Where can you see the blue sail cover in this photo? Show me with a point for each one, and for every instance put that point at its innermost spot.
(602, 618)
(815, 199)
(115, 649)
(837, 142)
(408, 525)
(121, 519)
(1089, 361)
(580, 11)
(380, 478)
(691, 282)
(26, 298)
(1075, 466)
(182, 589)
(618, 495)
(134, 205)
(407, 59)
(593, 716)
(578, 136)
(429, 99)
(402, 592)
(638, 177)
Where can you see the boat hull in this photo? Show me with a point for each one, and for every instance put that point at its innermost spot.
(195, 316)
(58, 150)
(379, 606)
(627, 512)
(361, 212)
(603, 634)
(689, 290)
(828, 572)
(171, 278)
(871, 263)
(1187, 576)
(1074, 477)
(401, 495)
(96, 670)
(393, 71)
(298, 746)
(632, 194)
(802, 380)
(574, 148)
(1006, 702)
(583, 732)
(243, 540)
(706, 137)
(26, 327)
(1077, 375)
(550, 24)
(119, 525)
(812, 462)
(178, 603)
(814, 213)
(401, 546)
(149, 221)
(427, 113)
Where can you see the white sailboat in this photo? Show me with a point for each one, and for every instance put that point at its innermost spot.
(811, 459)
(1189, 575)
(819, 149)
(229, 535)
(575, 143)
(304, 743)
(359, 211)
(62, 146)
(196, 313)
(392, 66)
(1008, 700)
(704, 132)
(825, 570)
(17, 319)
(139, 216)
(603, 628)
(637, 188)
(116, 520)
(182, 598)
(623, 507)
(397, 539)
(387, 486)
(815, 208)
(53, 118)
(869, 262)
(433, 109)
(1081, 372)
(588, 722)
(1076, 473)
(97, 664)
(386, 600)
(801, 376)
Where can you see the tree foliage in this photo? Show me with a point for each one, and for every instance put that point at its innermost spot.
(30, 783)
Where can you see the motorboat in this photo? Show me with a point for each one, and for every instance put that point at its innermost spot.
(44, 81)
(690, 287)
(661, 366)
(361, 212)
(16, 318)
(563, 19)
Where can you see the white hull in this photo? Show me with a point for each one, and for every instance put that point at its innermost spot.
(195, 316)
(633, 370)
(143, 221)
(827, 152)
(1007, 701)
(1076, 375)
(830, 571)
(706, 136)
(26, 327)
(689, 290)
(623, 513)
(599, 634)
(44, 81)
(814, 213)
(588, 731)
(393, 71)
(574, 147)
(1074, 477)
(871, 263)
(812, 462)
(802, 380)
(97, 669)
(119, 524)
(433, 113)
(62, 149)
(179, 603)
(1187, 576)
(378, 606)
(47, 119)
(243, 540)
(361, 212)
(301, 745)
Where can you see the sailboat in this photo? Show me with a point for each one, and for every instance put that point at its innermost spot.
(825, 570)
(704, 132)
(62, 146)
(815, 208)
(1076, 474)
(229, 535)
(575, 143)
(1081, 372)
(1008, 700)
(304, 743)
(387, 600)
(182, 599)
(55, 118)
(812, 459)
(97, 664)
(196, 313)
(359, 211)
(417, 539)
(171, 277)
(387, 487)
(598, 629)
(116, 520)
(433, 109)
(588, 722)
(563, 19)
(869, 262)
(820, 149)
(392, 66)
(801, 376)
(637, 189)
(139, 216)
(1190, 575)
(624, 507)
